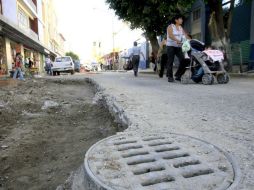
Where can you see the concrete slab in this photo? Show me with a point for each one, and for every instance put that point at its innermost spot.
(219, 114)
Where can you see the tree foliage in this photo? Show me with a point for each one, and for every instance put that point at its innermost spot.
(152, 16)
(72, 55)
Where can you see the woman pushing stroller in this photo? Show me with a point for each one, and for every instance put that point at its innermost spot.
(175, 37)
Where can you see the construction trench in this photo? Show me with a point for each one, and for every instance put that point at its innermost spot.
(48, 126)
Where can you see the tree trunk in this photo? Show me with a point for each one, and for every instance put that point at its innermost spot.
(229, 24)
(216, 7)
(154, 42)
(221, 37)
(230, 18)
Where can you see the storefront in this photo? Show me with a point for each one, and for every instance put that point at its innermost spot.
(13, 41)
(15, 49)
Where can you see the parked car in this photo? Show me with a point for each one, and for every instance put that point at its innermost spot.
(63, 65)
(86, 67)
(77, 66)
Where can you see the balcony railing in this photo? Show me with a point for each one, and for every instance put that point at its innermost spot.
(31, 4)
(29, 32)
(33, 34)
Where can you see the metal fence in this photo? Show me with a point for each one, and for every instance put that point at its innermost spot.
(239, 55)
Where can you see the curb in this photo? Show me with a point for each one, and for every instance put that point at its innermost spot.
(242, 75)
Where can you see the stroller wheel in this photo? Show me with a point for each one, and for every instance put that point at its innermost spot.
(208, 79)
(223, 78)
(226, 76)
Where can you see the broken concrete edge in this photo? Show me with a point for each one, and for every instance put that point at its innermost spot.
(75, 180)
(79, 179)
(110, 103)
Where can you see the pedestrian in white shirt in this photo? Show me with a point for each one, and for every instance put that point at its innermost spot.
(135, 57)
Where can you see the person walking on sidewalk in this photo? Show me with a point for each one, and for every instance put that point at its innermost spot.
(153, 61)
(175, 37)
(162, 57)
(48, 66)
(18, 66)
(135, 57)
(30, 62)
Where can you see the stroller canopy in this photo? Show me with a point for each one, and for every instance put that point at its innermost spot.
(197, 45)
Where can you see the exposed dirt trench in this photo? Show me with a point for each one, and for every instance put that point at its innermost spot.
(46, 127)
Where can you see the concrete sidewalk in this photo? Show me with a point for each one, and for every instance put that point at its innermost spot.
(219, 114)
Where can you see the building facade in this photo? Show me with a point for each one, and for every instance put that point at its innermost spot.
(196, 23)
(61, 45)
(242, 31)
(26, 28)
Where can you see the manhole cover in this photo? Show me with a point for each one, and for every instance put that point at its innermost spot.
(158, 162)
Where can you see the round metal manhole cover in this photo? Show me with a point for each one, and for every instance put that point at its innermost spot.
(158, 162)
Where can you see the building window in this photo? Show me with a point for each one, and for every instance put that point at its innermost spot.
(196, 14)
(23, 19)
(35, 2)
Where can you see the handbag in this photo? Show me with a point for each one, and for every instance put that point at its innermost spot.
(128, 65)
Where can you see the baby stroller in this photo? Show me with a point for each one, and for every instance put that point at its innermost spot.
(204, 65)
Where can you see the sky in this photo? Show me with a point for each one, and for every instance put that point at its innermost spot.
(82, 22)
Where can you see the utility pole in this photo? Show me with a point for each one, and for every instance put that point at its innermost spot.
(113, 42)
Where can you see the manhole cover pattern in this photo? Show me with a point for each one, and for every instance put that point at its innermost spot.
(158, 162)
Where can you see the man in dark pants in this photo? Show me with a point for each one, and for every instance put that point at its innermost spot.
(135, 61)
(164, 59)
(162, 56)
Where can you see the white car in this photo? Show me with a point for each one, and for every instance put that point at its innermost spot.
(87, 67)
(63, 65)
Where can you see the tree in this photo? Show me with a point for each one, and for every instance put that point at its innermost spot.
(220, 23)
(152, 16)
(72, 55)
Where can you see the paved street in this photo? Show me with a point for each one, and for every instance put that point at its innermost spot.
(219, 114)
